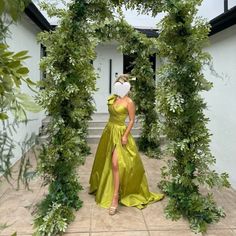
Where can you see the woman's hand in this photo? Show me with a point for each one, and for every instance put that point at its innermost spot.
(124, 139)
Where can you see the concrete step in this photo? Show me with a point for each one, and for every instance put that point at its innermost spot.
(99, 130)
(95, 128)
(43, 139)
(100, 116)
(45, 121)
(98, 123)
(42, 130)
(91, 139)
(94, 139)
(98, 119)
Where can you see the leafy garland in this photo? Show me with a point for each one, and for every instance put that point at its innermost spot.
(181, 40)
(131, 42)
(68, 98)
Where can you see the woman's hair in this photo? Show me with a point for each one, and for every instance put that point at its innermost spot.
(122, 78)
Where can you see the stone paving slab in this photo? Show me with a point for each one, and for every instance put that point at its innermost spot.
(91, 220)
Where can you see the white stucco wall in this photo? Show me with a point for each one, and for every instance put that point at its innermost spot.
(23, 37)
(221, 101)
(105, 52)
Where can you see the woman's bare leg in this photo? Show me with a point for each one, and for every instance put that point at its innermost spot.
(115, 169)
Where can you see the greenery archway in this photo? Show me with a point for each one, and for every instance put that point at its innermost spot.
(67, 96)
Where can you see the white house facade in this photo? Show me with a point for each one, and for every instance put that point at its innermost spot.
(221, 99)
(110, 62)
(23, 37)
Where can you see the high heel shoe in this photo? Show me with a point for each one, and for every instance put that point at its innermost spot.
(113, 210)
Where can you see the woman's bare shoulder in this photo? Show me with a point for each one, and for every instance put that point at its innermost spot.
(129, 100)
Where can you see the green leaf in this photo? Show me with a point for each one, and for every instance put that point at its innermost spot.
(24, 57)
(32, 106)
(27, 102)
(14, 14)
(3, 46)
(7, 54)
(7, 83)
(13, 64)
(19, 113)
(17, 81)
(3, 116)
(30, 82)
(2, 5)
(20, 54)
(23, 71)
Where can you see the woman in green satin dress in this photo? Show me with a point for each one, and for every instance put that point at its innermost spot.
(118, 174)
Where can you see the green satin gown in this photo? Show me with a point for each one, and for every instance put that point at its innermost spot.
(133, 185)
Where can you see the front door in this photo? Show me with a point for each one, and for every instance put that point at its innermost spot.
(108, 63)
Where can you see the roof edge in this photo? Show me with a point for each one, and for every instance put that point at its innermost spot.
(219, 23)
(150, 33)
(223, 21)
(37, 17)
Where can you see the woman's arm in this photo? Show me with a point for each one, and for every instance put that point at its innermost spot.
(131, 110)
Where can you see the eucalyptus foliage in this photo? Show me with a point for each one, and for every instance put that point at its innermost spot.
(181, 41)
(67, 96)
(7, 145)
(13, 74)
(132, 42)
(180, 44)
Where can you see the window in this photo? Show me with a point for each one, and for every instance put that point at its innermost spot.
(128, 63)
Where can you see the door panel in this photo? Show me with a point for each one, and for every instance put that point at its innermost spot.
(106, 54)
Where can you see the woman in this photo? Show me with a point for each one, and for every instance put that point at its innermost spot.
(118, 173)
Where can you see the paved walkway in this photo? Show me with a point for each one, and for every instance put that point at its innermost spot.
(91, 220)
